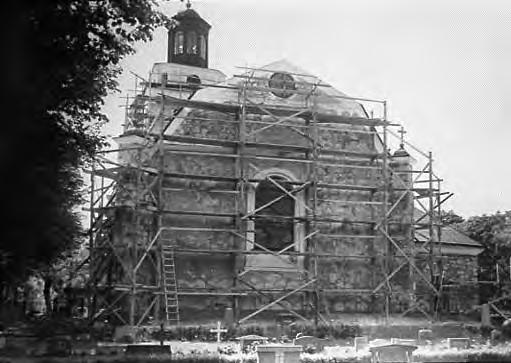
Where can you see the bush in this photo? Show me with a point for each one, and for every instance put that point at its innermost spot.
(202, 333)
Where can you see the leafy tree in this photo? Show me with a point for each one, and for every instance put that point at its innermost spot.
(494, 233)
(63, 58)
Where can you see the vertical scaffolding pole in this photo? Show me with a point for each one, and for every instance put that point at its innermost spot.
(314, 182)
(431, 230)
(385, 224)
(439, 236)
(160, 272)
(92, 257)
(241, 190)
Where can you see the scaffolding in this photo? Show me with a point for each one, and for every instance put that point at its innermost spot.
(131, 181)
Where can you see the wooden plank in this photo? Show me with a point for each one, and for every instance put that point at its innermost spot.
(368, 188)
(277, 111)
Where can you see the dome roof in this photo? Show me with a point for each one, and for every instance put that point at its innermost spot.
(401, 153)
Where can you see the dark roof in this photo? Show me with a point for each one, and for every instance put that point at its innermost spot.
(401, 152)
(450, 235)
(189, 14)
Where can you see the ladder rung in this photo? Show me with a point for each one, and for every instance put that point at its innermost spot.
(170, 285)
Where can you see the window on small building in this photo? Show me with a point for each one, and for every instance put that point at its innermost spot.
(179, 43)
(274, 224)
(191, 43)
(202, 46)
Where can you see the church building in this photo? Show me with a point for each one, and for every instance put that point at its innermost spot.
(268, 192)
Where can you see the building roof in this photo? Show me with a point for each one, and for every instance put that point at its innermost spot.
(331, 105)
(450, 237)
(454, 237)
(453, 242)
(191, 15)
(327, 105)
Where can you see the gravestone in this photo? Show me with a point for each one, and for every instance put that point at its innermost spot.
(378, 342)
(403, 341)
(485, 315)
(228, 317)
(310, 341)
(360, 343)
(425, 336)
(495, 337)
(392, 353)
(248, 340)
(218, 331)
(506, 329)
(458, 343)
(278, 353)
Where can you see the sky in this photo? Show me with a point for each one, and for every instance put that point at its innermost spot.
(444, 68)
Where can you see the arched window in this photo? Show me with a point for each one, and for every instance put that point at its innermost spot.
(274, 224)
(202, 46)
(274, 205)
(179, 43)
(191, 43)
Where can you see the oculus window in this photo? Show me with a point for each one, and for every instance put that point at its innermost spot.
(283, 84)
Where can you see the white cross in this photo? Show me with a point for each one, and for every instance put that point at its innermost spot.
(218, 331)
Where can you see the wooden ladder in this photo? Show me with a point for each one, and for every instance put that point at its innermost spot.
(170, 286)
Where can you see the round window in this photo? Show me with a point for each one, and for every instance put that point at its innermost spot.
(193, 79)
(282, 85)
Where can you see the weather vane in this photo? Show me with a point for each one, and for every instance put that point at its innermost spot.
(188, 4)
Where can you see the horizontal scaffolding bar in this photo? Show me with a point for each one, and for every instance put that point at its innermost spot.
(276, 111)
(231, 143)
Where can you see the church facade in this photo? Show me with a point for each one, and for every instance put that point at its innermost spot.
(270, 192)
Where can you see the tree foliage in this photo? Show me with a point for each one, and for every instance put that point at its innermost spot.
(62, 61)
(494, 233)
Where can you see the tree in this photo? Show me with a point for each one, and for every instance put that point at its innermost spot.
(494, 233)
(62, 61)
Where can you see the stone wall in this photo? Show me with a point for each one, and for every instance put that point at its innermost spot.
(337, 276)
(351, 254)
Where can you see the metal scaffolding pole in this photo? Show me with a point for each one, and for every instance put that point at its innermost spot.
(243, 152)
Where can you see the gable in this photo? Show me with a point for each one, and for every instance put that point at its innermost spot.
(333, 102)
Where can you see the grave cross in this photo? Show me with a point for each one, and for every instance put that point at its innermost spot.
(218, 331)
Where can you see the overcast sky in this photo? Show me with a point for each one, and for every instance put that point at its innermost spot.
(443, 66)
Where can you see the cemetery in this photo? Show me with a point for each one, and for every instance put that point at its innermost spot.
(265, 217)
(415, 340)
